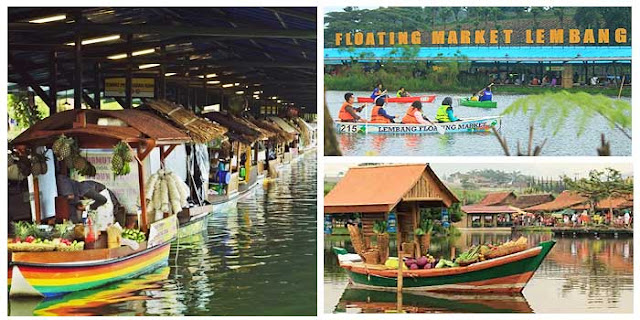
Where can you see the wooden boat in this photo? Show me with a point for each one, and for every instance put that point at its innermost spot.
(505, 274)
(55, 273)
(427, 99)
(478, 104)
(374, 301)
(468, 125)
(94, 301)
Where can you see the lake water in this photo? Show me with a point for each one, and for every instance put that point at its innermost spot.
(257, 260)
(514, 127)
(580, 275)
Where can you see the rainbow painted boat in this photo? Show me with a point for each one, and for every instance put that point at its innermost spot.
(427, 99)
(506, 274)
(55, 273)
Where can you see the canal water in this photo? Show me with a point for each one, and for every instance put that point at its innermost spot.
(514, 127)
(258, 259)
(580, 275)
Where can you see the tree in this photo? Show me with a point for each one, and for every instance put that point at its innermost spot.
(559, 13)
(600, 185)
(536, 11)
(445, 14)
(23, 111)
(587, 17)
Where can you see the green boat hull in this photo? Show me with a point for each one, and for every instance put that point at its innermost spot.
(478, 104)
(505, 278)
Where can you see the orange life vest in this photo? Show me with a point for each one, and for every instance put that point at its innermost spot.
(376, 118)
(410, 116)
(343, 115)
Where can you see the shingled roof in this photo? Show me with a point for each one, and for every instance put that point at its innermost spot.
(530, 200)
(496, 198)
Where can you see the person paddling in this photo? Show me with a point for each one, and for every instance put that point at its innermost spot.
(445, 111)
(348, 113)
(402, 93)
(379, 115)
(485, 94)
(377, 91)
(414, 114)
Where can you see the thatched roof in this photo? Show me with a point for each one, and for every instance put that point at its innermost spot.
(284, 125)
(201, 130)
(280, 135)
(237, 130)
(93, 126)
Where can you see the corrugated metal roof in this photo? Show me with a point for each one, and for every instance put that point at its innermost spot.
(570, 54)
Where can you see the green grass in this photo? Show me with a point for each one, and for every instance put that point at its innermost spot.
(328, 186)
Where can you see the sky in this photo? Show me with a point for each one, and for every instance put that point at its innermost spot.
(544, 169)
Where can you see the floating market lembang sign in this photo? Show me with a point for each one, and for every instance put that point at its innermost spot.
(482, 37)
(140, 87)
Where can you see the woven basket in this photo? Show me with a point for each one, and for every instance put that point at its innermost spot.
(503, 251)
(356, 239)
(382, 239)
(371, 256)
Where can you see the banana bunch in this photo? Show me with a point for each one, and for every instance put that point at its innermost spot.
(133, 234)
(470, 256)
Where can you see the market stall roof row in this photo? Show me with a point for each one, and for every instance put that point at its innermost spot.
(566, 199)
(482, 209)
(530, 200)
(280, 134)
(374, 189)
(270, 50)
(623, 202)
(238, 127)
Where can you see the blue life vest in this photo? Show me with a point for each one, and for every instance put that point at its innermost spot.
(486, 96)
(375, 91)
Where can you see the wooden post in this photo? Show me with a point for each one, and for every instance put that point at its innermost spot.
(97, 82)
(143, 204)
(36, 199)
(128, 98)
(77, 79)
(53, 83)
(414, 215)
(400, 265)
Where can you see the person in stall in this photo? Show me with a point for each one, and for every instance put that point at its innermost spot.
(348, 113)
(379, 115)
(414, 114)
(74, 192)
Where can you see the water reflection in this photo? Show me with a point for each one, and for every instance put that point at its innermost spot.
(578, 275)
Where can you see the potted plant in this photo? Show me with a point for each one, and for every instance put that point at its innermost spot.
(382, 239)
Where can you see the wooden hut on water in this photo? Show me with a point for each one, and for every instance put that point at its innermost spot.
(96, 132)
(377, 191)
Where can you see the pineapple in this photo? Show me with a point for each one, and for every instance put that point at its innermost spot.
(38, 164)
(79, 163)
(117, 163)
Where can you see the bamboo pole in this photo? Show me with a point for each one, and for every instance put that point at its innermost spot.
(400, 263)
(621, 85)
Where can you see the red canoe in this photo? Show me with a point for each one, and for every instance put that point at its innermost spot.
(427, 99)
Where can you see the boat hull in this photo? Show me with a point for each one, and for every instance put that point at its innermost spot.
(478, 104)
(56, 279)
(427, 99)
(470, 125)
(507, 274)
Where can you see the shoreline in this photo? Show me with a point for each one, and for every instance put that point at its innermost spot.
(497, 89)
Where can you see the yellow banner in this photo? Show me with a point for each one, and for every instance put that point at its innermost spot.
(481, 37)
(140, 87)
(163, 231)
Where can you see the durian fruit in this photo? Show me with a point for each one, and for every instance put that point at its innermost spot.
(38, 164)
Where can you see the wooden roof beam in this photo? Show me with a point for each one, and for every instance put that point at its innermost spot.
(29, 81)
(169, 30)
